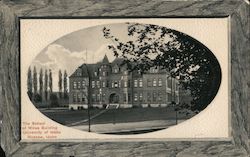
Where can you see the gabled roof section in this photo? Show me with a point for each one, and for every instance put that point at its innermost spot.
(117, 61)
(81, 71)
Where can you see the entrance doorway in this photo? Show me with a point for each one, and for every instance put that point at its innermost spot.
(114, 98)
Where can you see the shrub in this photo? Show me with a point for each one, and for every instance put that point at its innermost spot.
(104, 105)
(54, 100)
(37, 98)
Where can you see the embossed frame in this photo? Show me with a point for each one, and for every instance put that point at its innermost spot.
(237, 10)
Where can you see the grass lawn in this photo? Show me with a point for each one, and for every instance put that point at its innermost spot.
(67, 117)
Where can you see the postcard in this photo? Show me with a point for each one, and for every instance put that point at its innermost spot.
(124, 79)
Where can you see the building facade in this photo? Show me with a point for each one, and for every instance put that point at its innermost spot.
(106, 84)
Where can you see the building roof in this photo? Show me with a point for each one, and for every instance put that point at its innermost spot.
(89, 70)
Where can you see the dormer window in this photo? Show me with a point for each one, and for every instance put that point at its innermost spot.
(78, 72)
(139, 72)
(115, 69)
(153, 70)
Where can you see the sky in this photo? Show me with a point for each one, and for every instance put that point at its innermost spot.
(72, 50)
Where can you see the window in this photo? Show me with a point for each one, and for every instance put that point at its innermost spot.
(74, 85)
(78, 73)
(79, 85)
(149, 97)
(154, 96)
(83, 83)
(93, 84)
(116, 84)
(129, 97)
(125, 83)
(103, 73)
(159, 82)
(98, 96)
(149, 82)
(140, 96)
(93, 98)
(160, 96)
(140, 83)
(135, 83)
(103, 84)
(139, 72)
(74, 97)
(98, 84)
(124, 97)
(95, 73)
(135, 97)
(79, 97)
(154, 82)
(153, 70)
(83, 98)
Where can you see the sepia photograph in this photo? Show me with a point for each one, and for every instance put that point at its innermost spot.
(125, 78)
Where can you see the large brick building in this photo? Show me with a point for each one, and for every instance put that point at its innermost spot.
(108, 83)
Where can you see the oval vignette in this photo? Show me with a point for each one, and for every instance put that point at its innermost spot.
(99, 78)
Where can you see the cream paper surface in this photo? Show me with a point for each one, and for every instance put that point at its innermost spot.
(213, 122)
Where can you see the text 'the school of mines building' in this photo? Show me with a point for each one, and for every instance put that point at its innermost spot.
(112, 84)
